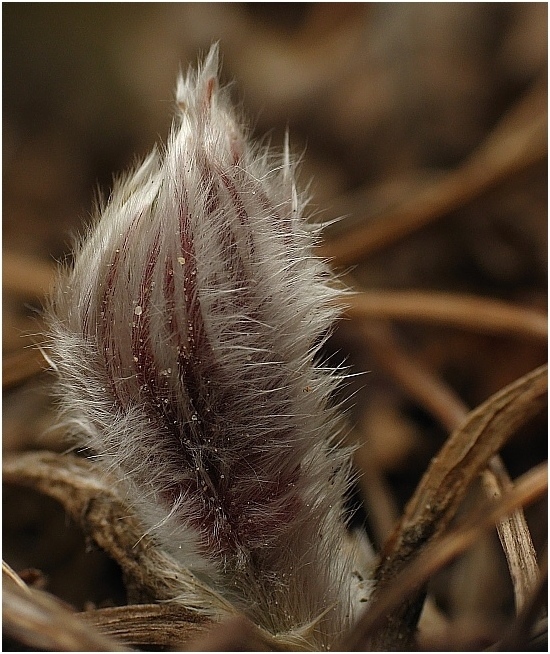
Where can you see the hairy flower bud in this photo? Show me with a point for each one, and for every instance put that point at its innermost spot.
(185, 339)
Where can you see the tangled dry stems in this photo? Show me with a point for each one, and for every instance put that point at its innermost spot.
(421, 544)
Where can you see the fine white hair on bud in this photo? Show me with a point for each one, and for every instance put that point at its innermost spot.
(185, 338)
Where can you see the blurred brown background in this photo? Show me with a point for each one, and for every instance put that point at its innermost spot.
(381, 100)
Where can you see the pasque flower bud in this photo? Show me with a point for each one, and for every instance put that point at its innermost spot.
(185, 338)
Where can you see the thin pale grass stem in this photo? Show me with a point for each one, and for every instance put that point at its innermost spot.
(520, 631)
(435, 396)
(514, 535)
(447, 480)
(161, 625)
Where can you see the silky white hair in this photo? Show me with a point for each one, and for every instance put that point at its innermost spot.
(185, 339)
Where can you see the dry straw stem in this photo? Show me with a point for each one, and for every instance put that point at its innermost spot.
(170, 626)
(465, 454)
(514, 535)
(517, 142)
(39, 620)
(521, 630)
(167, 626)
(369, 631)
(441, 401)
(462, 458)
(484, 315)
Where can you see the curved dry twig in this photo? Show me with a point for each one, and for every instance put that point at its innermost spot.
(447, 479)
(379, 629)
(514, 535)
(516, 143)
(161, 625)
(450, 411)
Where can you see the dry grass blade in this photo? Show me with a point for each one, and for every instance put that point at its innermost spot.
(445, 483)
(514, 536)
(160, 625)
(9, 574)
(464, 455)
(484, 315)
(368, 633)
(520, 630)
(447, 407)
(516, 143)
(40, 621)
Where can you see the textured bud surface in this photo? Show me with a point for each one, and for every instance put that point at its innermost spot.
(185, 339)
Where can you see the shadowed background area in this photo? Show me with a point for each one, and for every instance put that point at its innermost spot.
(420, 127)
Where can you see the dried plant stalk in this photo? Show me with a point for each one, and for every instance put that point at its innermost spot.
(514, 536)
(516, 143)
(446, 481)
(168, 626)
(518, 633)
(40, 621)
(448, 408)
(483, 315)
(381, 628)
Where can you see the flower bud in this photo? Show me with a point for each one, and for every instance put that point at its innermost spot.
(185, 338)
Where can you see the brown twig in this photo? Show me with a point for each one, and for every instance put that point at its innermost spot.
(161, 625)
(514, 535)
(483, 315)
(366, 633)
(38, 620)
(448, 408)
(446, 481)
(517, 142)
